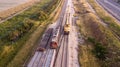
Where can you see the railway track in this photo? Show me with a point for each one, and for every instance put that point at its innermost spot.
(46, 39)
(43, 59)
(61, 52)
(39, 59)
(64, 52)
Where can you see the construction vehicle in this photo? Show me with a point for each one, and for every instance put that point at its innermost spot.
(66, 29)
(67, 24)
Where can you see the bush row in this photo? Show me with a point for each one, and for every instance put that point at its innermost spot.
(20, 26)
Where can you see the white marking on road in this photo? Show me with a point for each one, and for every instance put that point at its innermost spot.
(109, 10)
(106, 1)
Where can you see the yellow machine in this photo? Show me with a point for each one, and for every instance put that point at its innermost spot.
(67, 24)
(66, 29)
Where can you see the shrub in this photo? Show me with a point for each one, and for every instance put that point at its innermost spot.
(39, 15)
(92, 40)
(100, 51)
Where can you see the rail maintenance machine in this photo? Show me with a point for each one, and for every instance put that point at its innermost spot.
(67, 24)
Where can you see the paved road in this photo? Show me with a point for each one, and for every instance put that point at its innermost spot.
(1, 21)
(111, 6)
(14, 15)
(6, 4)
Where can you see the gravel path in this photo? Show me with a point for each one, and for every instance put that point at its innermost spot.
(73, 40)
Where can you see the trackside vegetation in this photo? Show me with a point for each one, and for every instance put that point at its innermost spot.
(101, 47)
(110, 21)
(16, 31)
(99, 50)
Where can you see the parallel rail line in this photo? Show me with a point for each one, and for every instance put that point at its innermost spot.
(41, 56)
(64, 52)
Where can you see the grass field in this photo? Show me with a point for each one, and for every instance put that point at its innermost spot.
(22, 31)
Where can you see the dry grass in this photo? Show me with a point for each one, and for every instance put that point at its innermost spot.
(86, 57)
(82, 27)
(90, 26)
(101, 12)
(90, 20)
(106, 17)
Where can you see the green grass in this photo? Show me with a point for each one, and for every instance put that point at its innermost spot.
(29, 45)
(99, 50)
(16, 31)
